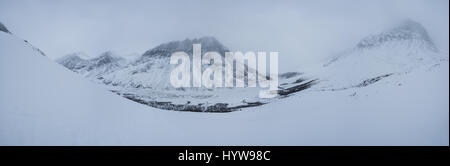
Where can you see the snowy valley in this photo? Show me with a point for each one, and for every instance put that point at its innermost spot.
(389, 89)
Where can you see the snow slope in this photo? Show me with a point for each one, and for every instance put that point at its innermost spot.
(42, 103)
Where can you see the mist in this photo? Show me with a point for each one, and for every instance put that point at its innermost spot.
(303, 32)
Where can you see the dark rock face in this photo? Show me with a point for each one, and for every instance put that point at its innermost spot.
(4, 29)
(209, 44)
(372, 80)
(215, 108)
(296, 88)
(288, 75)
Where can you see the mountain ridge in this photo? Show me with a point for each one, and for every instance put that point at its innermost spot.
(208, 43)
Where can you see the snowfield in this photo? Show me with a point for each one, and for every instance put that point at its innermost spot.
(43, 103)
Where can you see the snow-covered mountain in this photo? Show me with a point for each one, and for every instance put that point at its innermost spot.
(152, 69)
(42, 103)
(74, 62)
(209, 44)
(147, 80)
(399, 50)
(396, 51)
(95, 67)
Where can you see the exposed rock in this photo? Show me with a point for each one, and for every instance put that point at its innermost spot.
(4, 29)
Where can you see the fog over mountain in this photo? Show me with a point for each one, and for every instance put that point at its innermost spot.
(299, 30)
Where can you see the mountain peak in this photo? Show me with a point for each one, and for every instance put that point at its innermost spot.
(209, 44)
(106, 58)
(73, 61)
(406, 31)
(107, 55)
(3, 28)
(73, 56)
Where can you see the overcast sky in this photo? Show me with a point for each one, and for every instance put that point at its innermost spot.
(303, 32)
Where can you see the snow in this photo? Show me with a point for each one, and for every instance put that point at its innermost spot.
(43, 103)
